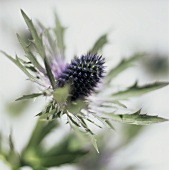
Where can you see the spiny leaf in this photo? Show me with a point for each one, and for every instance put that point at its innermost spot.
(50, 74)
(59, 31)
(37, 39)
(109, 124)
(136, 90)
(30, 55)
(99, 44)
(57, 114)
(8, 56)
(111, 104)
(51, 114)
(39, 114)
(23, 68)
(79, 132)
(31, 68)
(48, 107)
(94, 142)
(73, 121)
(123, 65)
(29, 96)
(50, 110)
(136, 118)
(84, 125)
(105, 121)
(51, 41)
(17, 62)
(89, 120)
(119, 103)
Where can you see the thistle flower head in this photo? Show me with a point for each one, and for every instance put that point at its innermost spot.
(83, 74)
(66, 84)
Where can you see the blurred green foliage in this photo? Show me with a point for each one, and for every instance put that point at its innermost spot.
(37, 155)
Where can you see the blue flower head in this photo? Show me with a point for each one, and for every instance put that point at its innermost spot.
(83, 74)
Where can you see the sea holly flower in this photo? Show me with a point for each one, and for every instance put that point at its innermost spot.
(79, 89)
(83, 74)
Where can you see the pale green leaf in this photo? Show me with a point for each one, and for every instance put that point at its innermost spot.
(51, 110)
(36, 38)
(61, 94)
(94, 142)
(111, 104)
(84, 125)
(50, 74)
(31, 68)
(89, 120)
(30, 55)
(47, 32)
(59, 31)
(57, 114)
(80, 123)
(136, 118)
(119, 103)
(73, 121)
(17, 62)
(109, 124)
(29, 96)
(136, 90)
(99, 44)
(9, 57)
(105, 121)
(23, 68)
(123, 65)
(48, 107)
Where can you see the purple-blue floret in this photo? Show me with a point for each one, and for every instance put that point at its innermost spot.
(83, 74)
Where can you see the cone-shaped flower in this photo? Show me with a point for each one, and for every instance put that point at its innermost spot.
(83, 74)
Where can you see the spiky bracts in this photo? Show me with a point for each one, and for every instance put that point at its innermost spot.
(83, 74)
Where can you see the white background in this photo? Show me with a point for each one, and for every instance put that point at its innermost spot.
(133, 26)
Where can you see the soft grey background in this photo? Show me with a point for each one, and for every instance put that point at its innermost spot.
(133, 26)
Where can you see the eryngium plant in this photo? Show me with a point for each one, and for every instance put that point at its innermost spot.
(81, 89)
